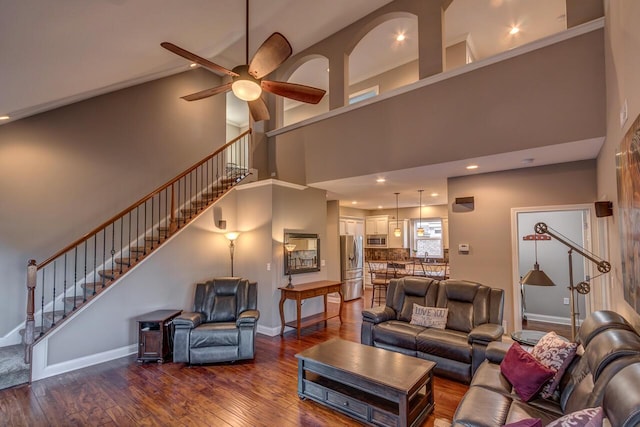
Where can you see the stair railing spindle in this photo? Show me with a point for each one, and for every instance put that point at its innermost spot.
(53, 317)
(75, 276)
(104, 255)
(42, 306)
(64, 289)
(95, 260)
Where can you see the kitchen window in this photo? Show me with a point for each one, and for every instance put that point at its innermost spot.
(430, 245)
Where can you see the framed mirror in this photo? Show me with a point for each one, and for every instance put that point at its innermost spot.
(301, 253)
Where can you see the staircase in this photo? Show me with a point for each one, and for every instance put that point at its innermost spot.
(82, 270)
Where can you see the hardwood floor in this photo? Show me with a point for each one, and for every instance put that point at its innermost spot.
(261, 392)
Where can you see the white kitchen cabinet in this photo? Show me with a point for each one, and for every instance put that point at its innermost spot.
(377, 224)
(403, 240)
(352, 227)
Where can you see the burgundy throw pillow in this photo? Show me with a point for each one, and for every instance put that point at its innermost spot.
(529, 422)
(524, 372)
(555, 353)
(589, 417)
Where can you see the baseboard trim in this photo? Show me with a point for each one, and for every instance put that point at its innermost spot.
(41, 370)
(270, 331)
(550, 319)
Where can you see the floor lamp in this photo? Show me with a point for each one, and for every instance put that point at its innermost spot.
(581, 287)
(232, 236)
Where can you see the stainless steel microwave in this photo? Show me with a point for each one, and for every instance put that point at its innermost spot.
(376, 241)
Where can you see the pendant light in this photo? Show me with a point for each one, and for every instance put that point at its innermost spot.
(397, 232)
(420, 228)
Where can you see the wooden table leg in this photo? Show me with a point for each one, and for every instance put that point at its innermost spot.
(282, 299)
(340, 307)
(299, 309)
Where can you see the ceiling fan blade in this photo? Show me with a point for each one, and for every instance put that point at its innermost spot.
(308, 94)
(197, 59)
(258, 110)
(273, 52)
(207, 92)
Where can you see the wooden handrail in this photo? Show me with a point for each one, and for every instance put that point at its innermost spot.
(141, 201)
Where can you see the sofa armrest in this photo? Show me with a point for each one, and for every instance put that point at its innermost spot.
(486, 333)
(496, 351)
(378, 314)
(248, 317)
(188, 320)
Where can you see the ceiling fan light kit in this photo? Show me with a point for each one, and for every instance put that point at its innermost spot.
(245, 86)
(247, 82)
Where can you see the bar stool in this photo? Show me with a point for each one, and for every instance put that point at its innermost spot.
(380, 278)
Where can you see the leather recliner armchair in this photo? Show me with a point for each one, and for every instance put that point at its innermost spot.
(222, 326)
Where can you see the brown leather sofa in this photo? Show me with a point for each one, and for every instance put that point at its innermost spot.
(474, 320)
(606, 374)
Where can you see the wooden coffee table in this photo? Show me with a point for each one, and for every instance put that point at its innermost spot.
(370, 384)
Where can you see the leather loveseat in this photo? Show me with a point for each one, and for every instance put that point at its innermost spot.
(605, 374)
(222, 326)
(474, 320)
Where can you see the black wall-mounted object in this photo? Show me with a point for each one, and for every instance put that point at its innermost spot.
(604, 209)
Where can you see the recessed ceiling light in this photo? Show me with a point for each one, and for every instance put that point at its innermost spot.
(401, 37)
(434, 194)
(381, 180)
(328, 69)
(379, 206)
(471, 167)
(355, 202)
(4, 117)
(193, 65)
(514, 30)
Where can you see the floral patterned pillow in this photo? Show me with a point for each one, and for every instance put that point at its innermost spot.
(554, 353)
(590, 417)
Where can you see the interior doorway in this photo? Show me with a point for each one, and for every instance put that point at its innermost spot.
(541, 305)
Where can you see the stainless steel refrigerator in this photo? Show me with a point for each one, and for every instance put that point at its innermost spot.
(351, 272)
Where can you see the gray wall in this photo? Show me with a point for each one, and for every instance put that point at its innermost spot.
(260, 212)
(64, 172)
(487, 229)
(622, 53)
(475, 113)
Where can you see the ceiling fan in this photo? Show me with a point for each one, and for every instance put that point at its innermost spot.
(247, 80)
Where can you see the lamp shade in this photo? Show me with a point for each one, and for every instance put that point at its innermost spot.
(537, 277)
(232, 235)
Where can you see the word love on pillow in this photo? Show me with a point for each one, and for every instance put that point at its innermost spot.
(432, 317)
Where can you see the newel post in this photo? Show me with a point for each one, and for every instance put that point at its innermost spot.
(29, 330)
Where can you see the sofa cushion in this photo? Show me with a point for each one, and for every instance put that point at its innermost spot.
(432, 317)
(480, 407)
(520, 410)
(528, 422)
(488, 375)
(524, 372)
(589, 417)
(214, 334)
(445, 343)
(397, 334)
(555, 353)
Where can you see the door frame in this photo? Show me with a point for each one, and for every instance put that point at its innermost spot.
(596, 231)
